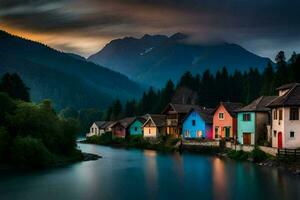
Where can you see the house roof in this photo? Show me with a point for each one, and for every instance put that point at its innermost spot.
(291, 98)
(179, 108)
(258, 105)
(159, 120)
(142, 119)
(103, 124)
(205, 113)
(125, 122)
(287, 86)
(231, 107)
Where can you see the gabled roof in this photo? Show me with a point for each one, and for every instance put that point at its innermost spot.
(287, 86)
(125, 122)
(158, 120)
(258, 105)
(142, 119)
(205, 113)
(179, 108)
(291, 98)
(107, 124)
(100, 123)
(231, 107)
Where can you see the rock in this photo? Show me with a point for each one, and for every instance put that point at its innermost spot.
(89, 156)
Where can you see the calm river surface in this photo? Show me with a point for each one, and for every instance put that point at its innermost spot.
(138, 174)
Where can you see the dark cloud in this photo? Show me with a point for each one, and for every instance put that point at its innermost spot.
(262, 26)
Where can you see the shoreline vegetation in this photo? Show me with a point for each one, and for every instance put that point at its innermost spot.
(170, 144)
(34, 136)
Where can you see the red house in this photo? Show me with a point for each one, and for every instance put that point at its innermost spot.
(225, 121)
(120, 129)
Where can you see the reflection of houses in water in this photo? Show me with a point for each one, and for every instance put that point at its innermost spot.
(219, 179)
(178, 166)
(151, 173)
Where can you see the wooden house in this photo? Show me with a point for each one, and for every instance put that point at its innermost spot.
(254, 120)
(154, 126)
(225, 120)
(175, 114)
(120, 129)
(285, 117)
(198, 124)
(99, 128)
(136, 127)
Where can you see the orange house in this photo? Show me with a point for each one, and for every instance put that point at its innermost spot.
(224, 120)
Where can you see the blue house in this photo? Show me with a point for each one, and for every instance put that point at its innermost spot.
(135, 127)
(198, 124)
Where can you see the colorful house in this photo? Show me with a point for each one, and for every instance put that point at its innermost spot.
(135, 127)
(225, 120)
(154, 126)
(120, 129)
(285, 117)
(198, 124)
(175, 113)
(99, 128)
(254, 120)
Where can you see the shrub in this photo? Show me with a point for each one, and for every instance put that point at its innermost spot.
(4, 144)
(30, 152)
(258, 155)
(238, 155)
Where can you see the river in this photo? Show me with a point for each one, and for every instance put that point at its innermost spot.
(144, 174)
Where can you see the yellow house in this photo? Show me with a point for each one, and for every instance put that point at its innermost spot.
(154, 126)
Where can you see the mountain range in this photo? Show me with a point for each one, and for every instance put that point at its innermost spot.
(67, 79)
(151, 60)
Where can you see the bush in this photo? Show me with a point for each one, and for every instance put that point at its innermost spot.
(30, 152)
(4, 144)
(258, 155)
(238, 155)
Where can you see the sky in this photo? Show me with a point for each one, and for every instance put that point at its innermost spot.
(85, 26)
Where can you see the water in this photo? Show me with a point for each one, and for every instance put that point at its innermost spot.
(138, 174)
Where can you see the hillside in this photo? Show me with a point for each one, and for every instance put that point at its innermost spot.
(153, 59)
(64, 78)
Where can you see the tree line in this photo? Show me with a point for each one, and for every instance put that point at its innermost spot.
(210, 88)
(33, 135)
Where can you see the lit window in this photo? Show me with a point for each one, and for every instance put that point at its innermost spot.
(221, 115)
(294, 113)
(292, 134)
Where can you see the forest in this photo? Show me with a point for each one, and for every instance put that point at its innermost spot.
(33, 135)
(209, 89)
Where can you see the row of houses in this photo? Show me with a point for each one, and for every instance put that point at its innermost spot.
(272, 119)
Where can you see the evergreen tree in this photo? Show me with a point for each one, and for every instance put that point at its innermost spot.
(14, 86)
(117, 110)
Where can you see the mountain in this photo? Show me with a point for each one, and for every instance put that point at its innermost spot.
(153, 59)
(67, 79)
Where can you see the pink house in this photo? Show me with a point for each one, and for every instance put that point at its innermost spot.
(224, 120)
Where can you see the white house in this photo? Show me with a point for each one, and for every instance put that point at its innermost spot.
(154, 126)
(285, 117)
(100, 127)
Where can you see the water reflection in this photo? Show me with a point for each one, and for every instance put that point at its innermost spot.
(151, 173)
(219, 179)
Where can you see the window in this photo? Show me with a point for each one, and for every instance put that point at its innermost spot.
(292, 134)
(194, 122)
(187, 133)
(221, 115)
(92, 130)
(275, 114)
(275, 133)
(280, 114)
(294, 113)
(217, 132)
(135, 128)
(246, 117)
(149, 131)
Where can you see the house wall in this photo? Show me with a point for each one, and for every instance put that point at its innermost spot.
(136, 128)
(285, 126)
(228, 121)
(262, 120)
(246, 126)
(119, 131)
(93, 130)
(200, 126)
(150, 130)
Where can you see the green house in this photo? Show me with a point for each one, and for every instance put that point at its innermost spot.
(253, 121)
(135, 127)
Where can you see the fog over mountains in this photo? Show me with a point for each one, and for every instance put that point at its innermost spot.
(154, 59)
